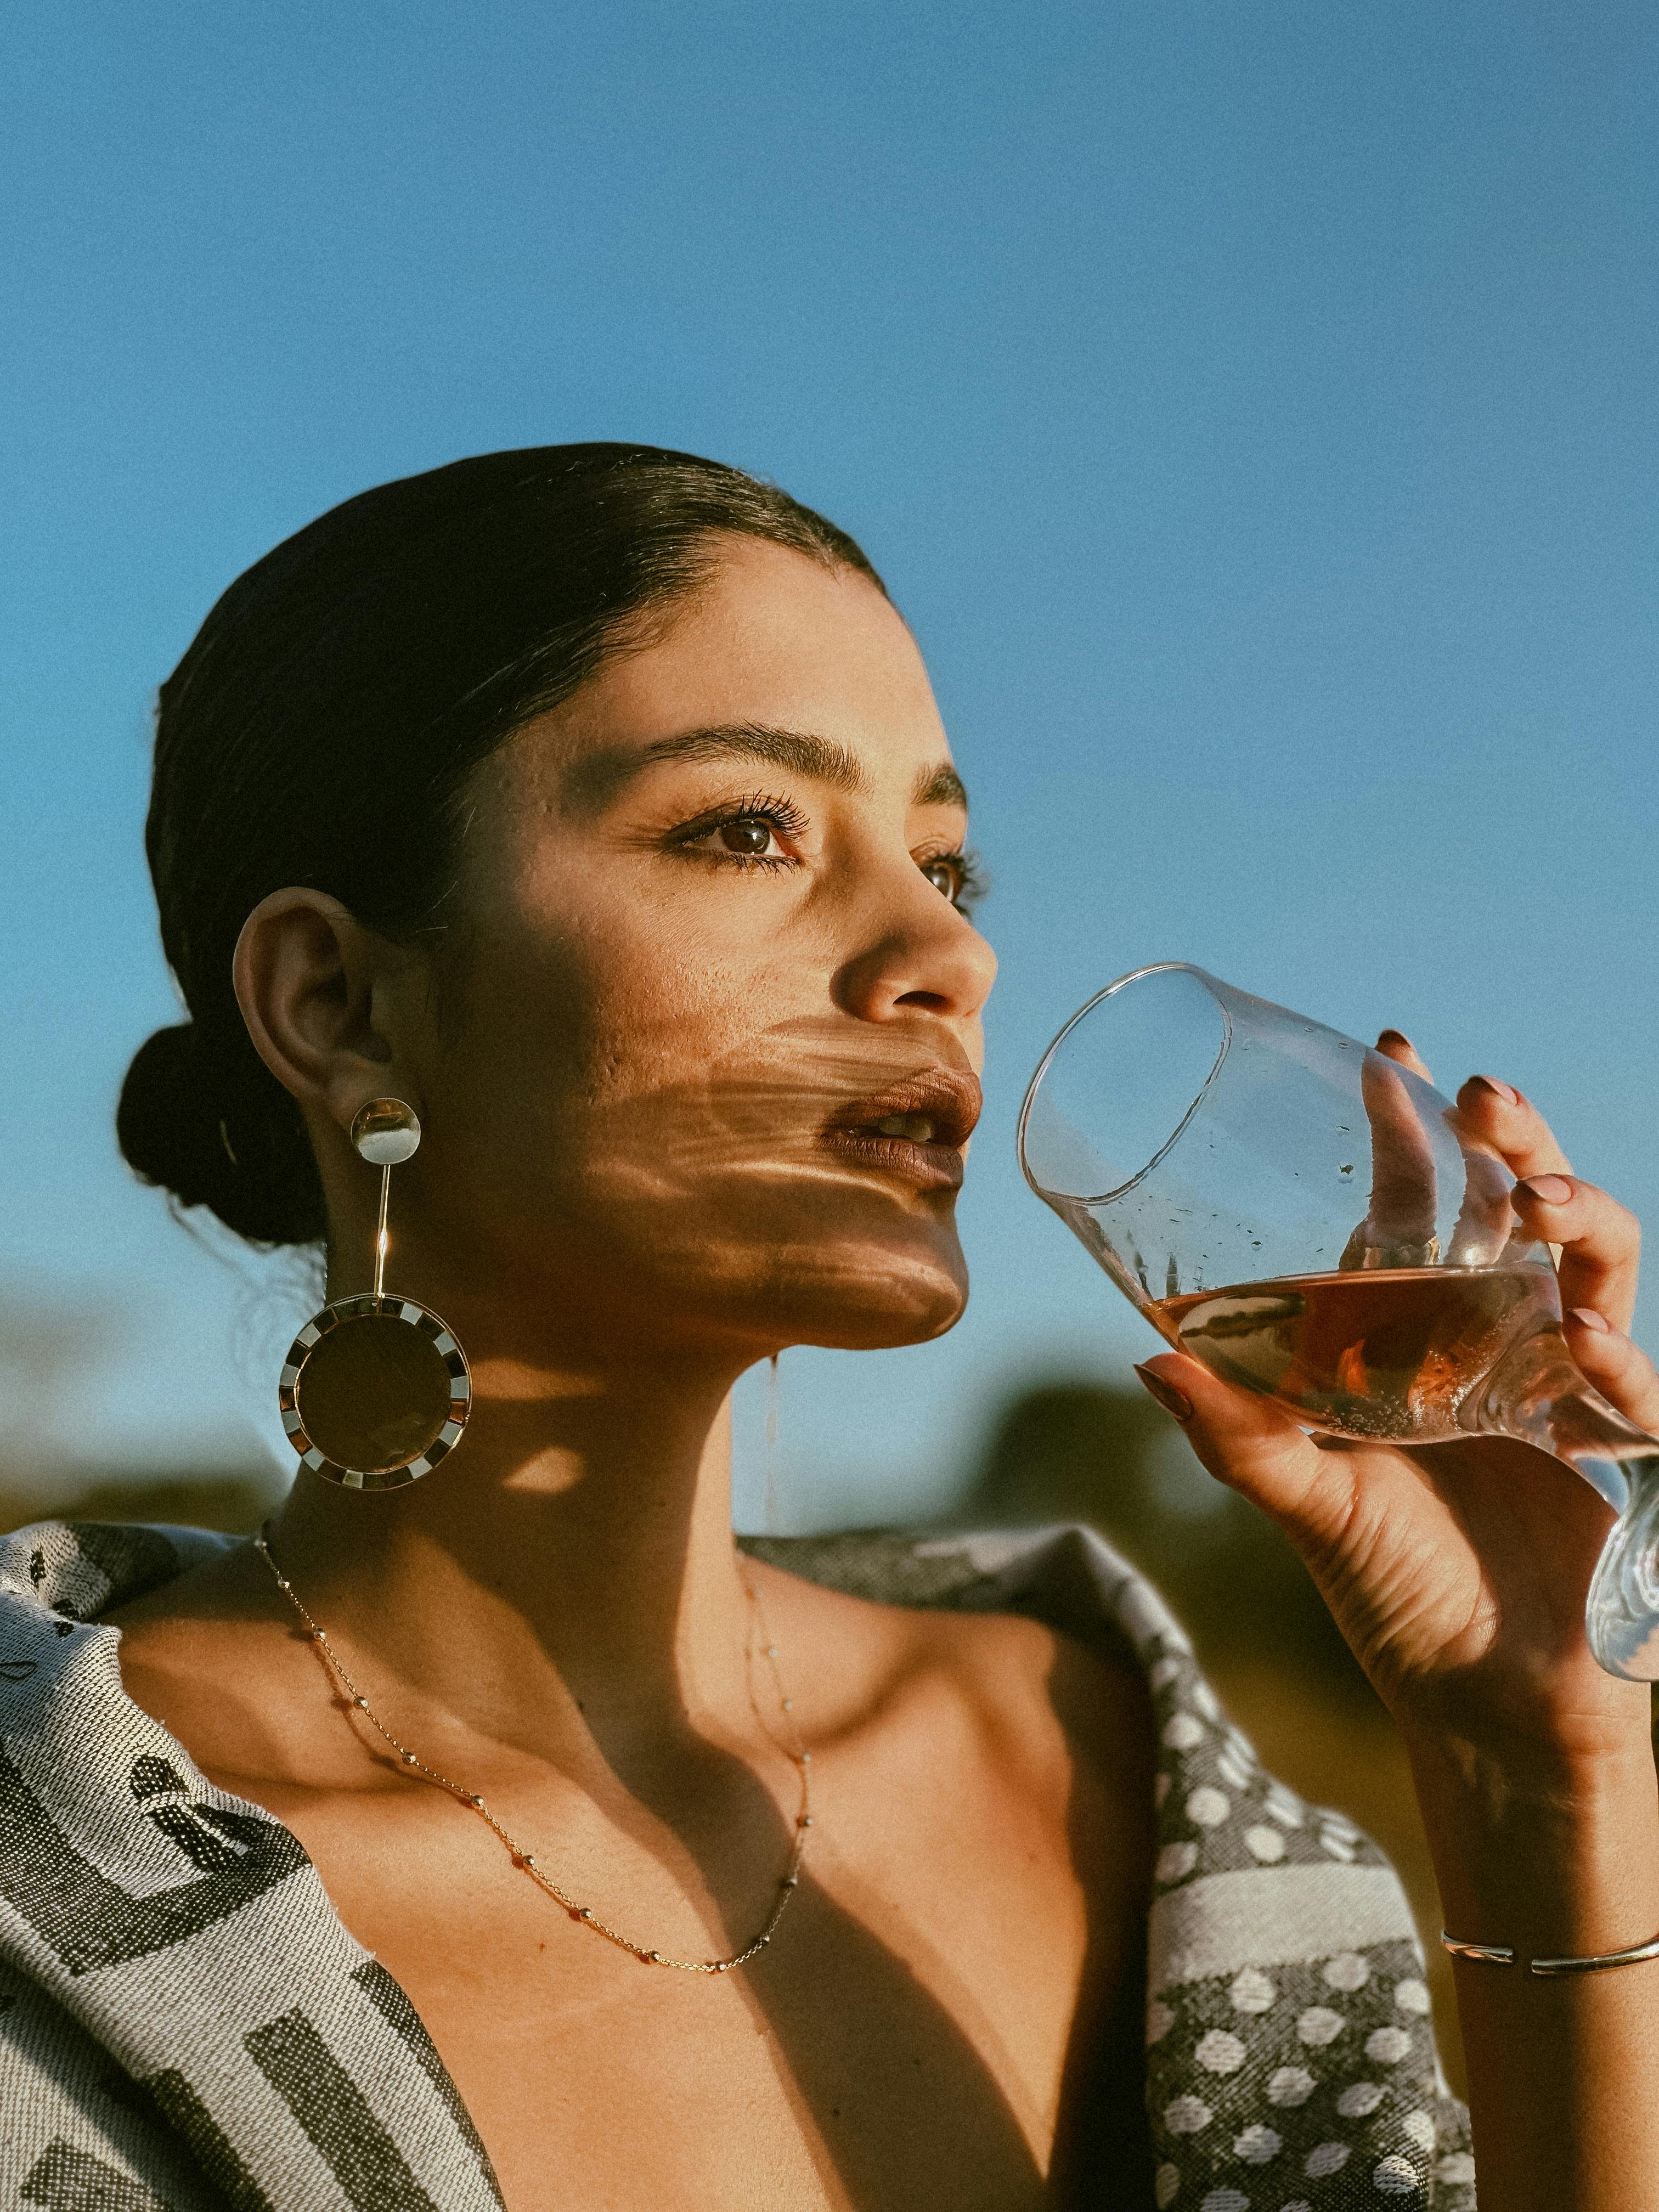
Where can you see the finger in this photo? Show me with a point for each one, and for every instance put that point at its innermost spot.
(1400, 1226)
(1486, 1218)
(1394, 1044)
(1252, 1445)
(1496, 1113)
(1601, 1241)
(1607, 1357)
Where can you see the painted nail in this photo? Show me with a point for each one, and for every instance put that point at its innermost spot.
(1548, 1189)
(1502, 1090)
(1172, 1401)
(1591, 1319)
(1394, 1036)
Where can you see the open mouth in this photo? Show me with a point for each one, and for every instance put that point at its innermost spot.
(918, 1127)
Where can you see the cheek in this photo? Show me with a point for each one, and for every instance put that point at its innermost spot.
(613, 1051)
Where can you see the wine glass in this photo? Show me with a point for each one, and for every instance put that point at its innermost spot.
(1303, 1215)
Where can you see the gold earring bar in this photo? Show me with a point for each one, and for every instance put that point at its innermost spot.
(380, 1234)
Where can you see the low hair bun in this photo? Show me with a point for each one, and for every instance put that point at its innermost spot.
(216, 1129)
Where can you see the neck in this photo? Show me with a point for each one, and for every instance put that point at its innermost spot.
(570, 1564)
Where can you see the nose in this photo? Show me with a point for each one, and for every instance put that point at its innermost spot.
(922, 955)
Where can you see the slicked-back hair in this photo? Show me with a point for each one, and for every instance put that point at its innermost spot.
(320, 728)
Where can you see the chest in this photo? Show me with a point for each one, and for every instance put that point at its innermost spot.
(906, 2040)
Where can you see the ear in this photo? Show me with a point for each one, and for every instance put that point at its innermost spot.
(311, 981)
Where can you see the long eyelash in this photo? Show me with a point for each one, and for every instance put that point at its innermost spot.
(785, 817)
(975, 880)
(788, 821)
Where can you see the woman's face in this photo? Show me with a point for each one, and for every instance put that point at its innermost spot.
(706, 1063)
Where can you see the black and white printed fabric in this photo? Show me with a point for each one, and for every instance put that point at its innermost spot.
(186, 2025)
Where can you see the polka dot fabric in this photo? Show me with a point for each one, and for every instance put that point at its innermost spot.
(1291, 2059)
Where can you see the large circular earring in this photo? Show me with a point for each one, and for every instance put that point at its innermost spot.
(376, 1390)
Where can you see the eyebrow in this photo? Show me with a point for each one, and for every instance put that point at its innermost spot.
(941, 787)
(599, 777)
(821, 758)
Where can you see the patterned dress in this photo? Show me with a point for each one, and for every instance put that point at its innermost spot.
(187, 2025)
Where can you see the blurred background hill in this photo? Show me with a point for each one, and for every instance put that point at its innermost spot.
(54, 1359)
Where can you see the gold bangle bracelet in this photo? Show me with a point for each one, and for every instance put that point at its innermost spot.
(1501, 1954)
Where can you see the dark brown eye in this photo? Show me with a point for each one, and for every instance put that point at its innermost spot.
(750, 837)
(945, 876)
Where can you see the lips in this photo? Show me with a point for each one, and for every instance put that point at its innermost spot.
(917, 1126)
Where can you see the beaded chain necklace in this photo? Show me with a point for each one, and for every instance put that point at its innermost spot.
(413, 1763)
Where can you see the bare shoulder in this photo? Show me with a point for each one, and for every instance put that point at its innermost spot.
(226, 1585)
(208, 1655)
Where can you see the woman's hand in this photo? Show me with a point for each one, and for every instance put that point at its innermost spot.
(1458, 1572)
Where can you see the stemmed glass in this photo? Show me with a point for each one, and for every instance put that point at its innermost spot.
(1304, 1216)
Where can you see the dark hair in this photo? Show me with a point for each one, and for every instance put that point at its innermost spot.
(321, 725)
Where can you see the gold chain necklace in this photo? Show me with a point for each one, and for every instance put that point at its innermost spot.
(414, 1764)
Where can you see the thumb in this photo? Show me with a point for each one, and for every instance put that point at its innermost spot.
(1255, 1448)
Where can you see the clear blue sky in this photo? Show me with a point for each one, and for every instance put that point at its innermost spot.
(1252, 409)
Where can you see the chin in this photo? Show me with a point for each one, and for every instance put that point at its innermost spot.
(759, 1263)
(864, 1299)
(876, 1332)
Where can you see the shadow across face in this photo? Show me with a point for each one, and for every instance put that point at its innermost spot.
(752, 1195)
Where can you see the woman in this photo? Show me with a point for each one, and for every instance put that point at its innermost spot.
(593, 800)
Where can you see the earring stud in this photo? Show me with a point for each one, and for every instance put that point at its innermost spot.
(376, 1390)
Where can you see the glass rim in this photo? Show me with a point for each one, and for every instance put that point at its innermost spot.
(1212, 984)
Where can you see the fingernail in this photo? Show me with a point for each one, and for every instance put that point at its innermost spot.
(1394, 1036)
(1502, 1090)
(1591, 1319)
(1172, 1401)
(1548, 1189)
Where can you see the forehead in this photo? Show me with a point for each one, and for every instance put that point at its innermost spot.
(776, 641)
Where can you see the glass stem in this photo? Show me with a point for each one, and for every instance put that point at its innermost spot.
(1538, 1394)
